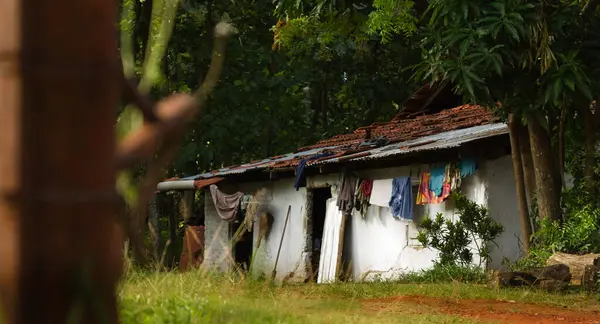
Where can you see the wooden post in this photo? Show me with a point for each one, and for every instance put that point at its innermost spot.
(58, 90)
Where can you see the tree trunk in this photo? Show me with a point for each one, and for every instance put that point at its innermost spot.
(60, 241)
(314, 103)
(324, 106)
(527, 161)
(271, 128)
(547, 183)
(171, 246)
(154, 230)
(186, 205)
(590, 149)
(561, 145)
(519, 182)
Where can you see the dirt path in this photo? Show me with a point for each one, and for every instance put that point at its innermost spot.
(494, 311)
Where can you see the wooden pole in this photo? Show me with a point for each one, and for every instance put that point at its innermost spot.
(58, 155)
(274, 273)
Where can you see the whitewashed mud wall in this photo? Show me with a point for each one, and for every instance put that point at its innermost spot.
(382, 247)
(292, 258)
(379, 246)
(216, 236)
(502, 206)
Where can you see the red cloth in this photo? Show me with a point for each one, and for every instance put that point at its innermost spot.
(367, 187)
(193, 248)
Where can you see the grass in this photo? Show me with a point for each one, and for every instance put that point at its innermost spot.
(197, 297)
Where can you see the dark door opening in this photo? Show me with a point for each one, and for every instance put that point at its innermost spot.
(317, 219)
(242, 247)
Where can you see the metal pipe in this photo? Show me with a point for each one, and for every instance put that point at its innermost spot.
(175, 185)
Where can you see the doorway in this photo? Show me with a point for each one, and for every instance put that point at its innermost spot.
(242, 247)
(319, 198)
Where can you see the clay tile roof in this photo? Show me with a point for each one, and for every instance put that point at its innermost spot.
(344, 145)
(401, 130)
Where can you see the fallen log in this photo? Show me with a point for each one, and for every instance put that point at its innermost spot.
(550, 278)
(589, 282)
(576, 264)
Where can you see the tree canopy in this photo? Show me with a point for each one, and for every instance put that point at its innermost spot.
(299, 71)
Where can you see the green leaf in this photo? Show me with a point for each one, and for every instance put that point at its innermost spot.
(569, 83)
(557, 89)
(512, 31)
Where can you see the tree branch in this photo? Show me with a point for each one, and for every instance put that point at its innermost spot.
(172, 113)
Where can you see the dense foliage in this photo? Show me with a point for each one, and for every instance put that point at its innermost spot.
(284, 85)
(298, 71)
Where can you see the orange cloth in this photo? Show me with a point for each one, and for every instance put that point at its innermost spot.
(426, 196)
(193, 248)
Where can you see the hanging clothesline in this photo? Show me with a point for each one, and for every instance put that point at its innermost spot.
(434, 187)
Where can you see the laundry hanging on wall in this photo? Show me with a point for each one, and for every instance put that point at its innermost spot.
(300, 181)
(436, 180)
(467, 166)
(345, 200)
(435, 186)
(455, 178)
(381, 193)
(426, 195)
(401, 203)
(226, 205)
(363, 194)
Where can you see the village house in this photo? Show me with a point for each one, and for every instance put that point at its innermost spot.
(374, 243)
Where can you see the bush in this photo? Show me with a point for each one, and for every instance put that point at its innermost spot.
(446, 273)
(453, 239)
(577, 233)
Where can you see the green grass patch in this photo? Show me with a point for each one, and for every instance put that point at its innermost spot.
(197, 297)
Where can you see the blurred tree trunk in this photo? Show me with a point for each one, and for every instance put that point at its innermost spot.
(10, 154)
(58, 100)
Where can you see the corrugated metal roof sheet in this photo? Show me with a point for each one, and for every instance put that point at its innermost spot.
(449, 128)
(434, 142)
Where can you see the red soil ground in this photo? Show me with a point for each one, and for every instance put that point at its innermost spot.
(484, 310)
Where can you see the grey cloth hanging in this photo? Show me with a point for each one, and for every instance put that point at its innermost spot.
(226, 205)
(345, 201)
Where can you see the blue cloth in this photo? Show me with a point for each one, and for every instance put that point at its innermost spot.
(437, 180)
(300, 180)
(401, 202)
(467, 167)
